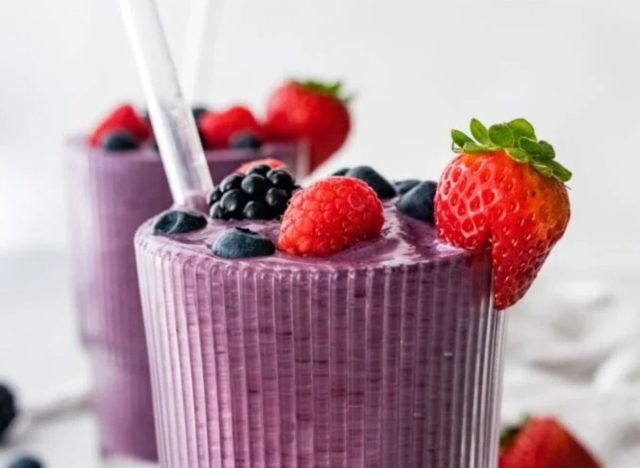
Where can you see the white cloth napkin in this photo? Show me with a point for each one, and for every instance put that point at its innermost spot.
(574, 352)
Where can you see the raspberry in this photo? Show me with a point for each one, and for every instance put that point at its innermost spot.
(123, 117)
(329, 216)
(218, 127)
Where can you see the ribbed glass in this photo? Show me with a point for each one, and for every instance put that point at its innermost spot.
(110, 195)
(391, 367)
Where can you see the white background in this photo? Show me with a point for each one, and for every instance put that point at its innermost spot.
(418, 68)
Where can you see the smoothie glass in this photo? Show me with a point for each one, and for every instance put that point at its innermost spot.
(111, 194)
(386, 355)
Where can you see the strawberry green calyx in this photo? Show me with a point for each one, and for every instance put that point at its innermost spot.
(332, 89)
(509, 433)
(518, 139)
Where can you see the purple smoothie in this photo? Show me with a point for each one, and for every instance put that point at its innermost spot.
(387, 354)
(111, 194)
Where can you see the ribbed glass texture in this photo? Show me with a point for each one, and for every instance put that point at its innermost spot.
(391, 367)
(110, 195)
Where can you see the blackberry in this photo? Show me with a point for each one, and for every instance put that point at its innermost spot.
(263, 193)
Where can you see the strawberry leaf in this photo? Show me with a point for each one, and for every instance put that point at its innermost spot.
(522, 128)
(543, 169)
(472, 147)
(518, 139)
(559, 171)
(501, 135)
(479, 131)
(460, 138)
(519, 155)
(548, 152)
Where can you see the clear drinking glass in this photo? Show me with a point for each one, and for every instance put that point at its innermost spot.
(284, 361)
(111, 194)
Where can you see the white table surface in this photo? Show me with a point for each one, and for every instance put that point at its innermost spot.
(557, 369)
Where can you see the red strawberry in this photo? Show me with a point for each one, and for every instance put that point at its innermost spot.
(329, 216)
(271, 162)
(543, 443)
(123, 117)
(218, 127)
(312, 111)
(505, 192)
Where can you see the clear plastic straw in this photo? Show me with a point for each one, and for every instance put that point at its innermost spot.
(173, 124)
(202, 26)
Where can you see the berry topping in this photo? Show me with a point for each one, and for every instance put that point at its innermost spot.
(329, 216)
(382, 186)
(178, 222)
(124, 117)
(543, 443)
(418, 202)
(198, 111)
(257, 209)
(261, 194)
(277, 199)
(120, 140)
(232, 181)
(496, 195)
(8, 410)
(261, 169)
(242, 243)
(255, 185)
(26, 462)
(245, 140)
(403, 186)
(217, 212)
(312, 111)
(272, 163)
(215, 195)
(281, 178)
(232, 202)
(218, 128)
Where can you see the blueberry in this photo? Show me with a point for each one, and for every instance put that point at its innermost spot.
(277, 199)
(255, 185)
(341, 172)
(120, 140)
(245, 140)
(379, 184)
(261, 169)
(215, 195)
(281, 178)
(256, 209)
(232, 181)
(418, 202)
(403, 186)
(242, 243)
(198, 111)
(233, 203)
(8, 409)
(217, 212)
(26, 462)
(177, 222)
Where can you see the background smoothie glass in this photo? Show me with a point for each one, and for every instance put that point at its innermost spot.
(111, 194)
(387, 354)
